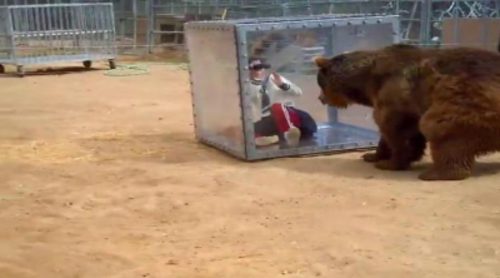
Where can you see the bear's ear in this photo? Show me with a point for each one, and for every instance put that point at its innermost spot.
(428, 66)
(378, 66)
(322, 62)
(427, 63)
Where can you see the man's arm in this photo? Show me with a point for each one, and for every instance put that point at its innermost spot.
(285, 85)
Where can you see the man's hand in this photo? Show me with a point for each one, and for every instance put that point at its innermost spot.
(279, 82)
(277, 79)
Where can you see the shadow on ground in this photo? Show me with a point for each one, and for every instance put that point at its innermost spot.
(183, 148)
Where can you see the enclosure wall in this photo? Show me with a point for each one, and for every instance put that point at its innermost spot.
(473, 32)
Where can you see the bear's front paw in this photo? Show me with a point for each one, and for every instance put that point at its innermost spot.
(371, 157)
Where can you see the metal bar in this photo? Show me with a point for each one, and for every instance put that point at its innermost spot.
(425, 23)
(10, 34)
(168, 32)
(112, 37)
(134, 12)
(456, 38)
(50, 29)
(60, 37)
(151, 27)
(44, 36)
(69, 27)
(92, 16)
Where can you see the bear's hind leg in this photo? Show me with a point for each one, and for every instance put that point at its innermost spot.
(452, 160)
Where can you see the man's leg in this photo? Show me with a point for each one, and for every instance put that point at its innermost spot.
(308, 126)
(266, 132)
(287, 122)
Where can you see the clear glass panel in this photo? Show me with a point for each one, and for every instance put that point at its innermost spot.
(360, 37)
(286, 56)
(215, 76)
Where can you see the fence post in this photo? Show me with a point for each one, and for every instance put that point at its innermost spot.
(425, 21)
(134, 12)
(150, 15)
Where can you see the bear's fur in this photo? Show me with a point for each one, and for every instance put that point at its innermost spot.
(443, 96)
(458, 93)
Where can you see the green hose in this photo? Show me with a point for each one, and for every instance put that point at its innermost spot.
(139, 69)
(128, 70)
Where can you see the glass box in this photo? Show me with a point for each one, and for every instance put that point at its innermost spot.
(227, 101)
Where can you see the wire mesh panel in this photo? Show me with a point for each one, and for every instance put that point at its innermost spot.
(237, 103)
(59, 32)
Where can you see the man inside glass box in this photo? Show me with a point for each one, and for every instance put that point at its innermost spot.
(275, 117)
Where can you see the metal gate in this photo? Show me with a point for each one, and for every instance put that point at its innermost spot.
(39, 34)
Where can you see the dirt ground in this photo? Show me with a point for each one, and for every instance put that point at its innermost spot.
(101, 177)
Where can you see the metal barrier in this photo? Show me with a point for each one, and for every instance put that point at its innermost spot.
(39, 34)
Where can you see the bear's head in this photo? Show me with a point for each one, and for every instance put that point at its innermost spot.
(343, 78)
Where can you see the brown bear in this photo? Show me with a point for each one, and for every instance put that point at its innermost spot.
(447, 97)
(373, 78)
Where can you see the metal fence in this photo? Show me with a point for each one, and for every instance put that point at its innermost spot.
(166, 17)
(130, 18)
(421, 20)
(144, 24)
(34, 34)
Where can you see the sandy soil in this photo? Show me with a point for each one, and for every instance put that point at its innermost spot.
(101, 177)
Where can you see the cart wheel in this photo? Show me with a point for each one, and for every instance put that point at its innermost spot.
(87, 64)
(112, 64)
(2, 69)
(20, 71)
